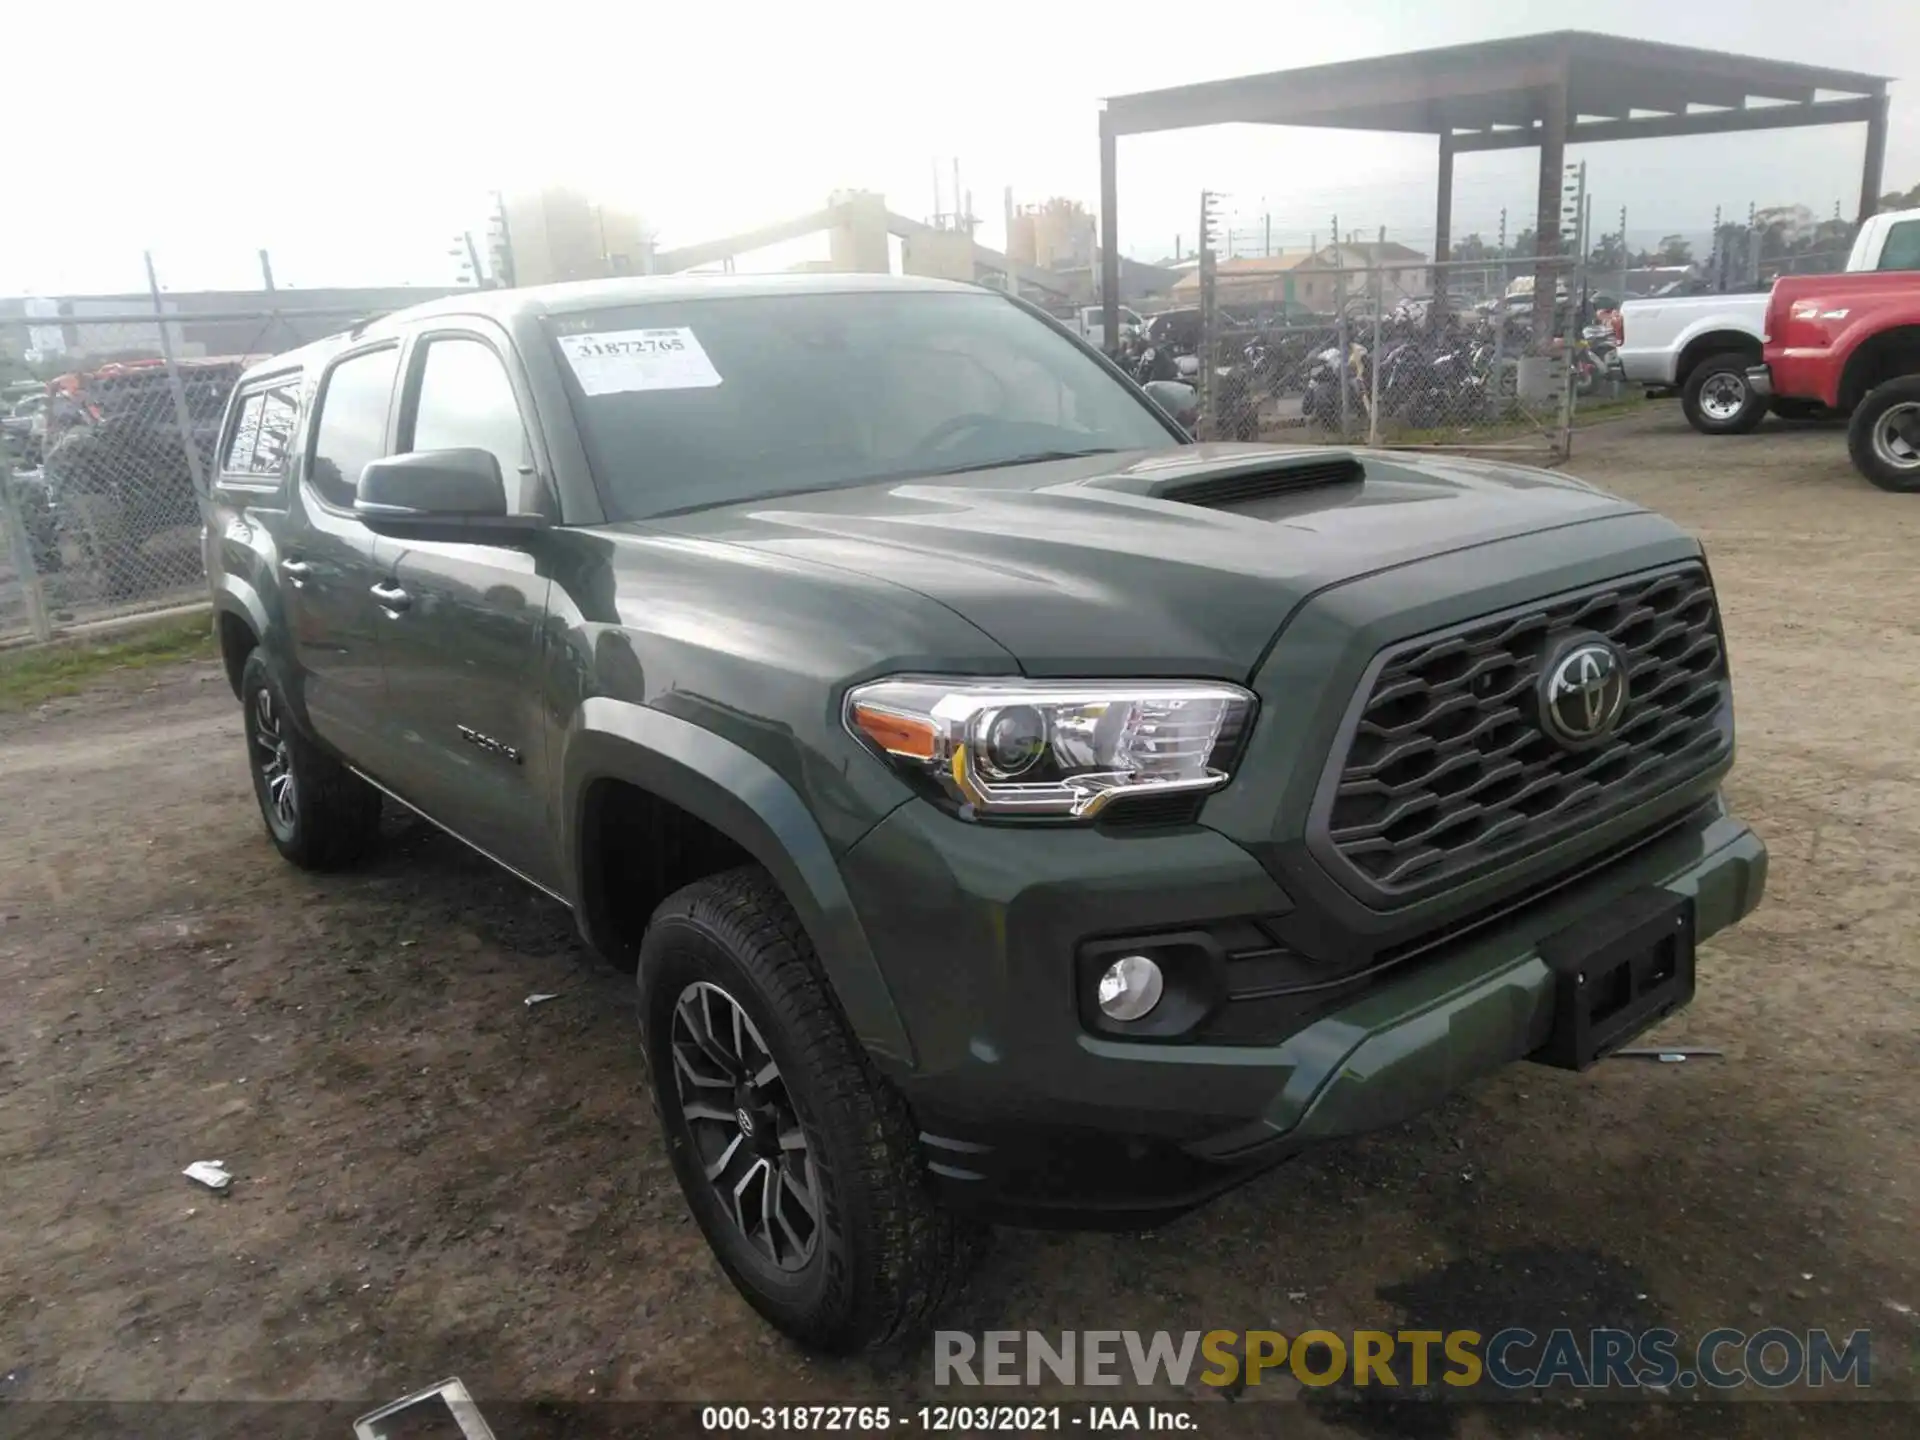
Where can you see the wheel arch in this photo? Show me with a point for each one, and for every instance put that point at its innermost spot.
(743, 800)
(1880, 357)
(239, 622)
(1713, 342)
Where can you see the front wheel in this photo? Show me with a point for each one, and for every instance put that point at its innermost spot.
(799, 1161)
(318, 813)
(1717, 398)
(1884, 435)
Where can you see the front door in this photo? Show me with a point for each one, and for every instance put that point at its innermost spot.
(326, 560)
(462, 625)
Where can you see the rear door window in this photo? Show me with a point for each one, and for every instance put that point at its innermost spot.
(262, 435)
(1902, 250)
(350, 430)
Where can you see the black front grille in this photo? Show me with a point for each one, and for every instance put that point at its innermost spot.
(1447, 772)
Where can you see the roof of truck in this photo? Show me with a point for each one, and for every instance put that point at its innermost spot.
(574, 296)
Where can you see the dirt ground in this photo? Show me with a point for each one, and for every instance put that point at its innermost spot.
(435, 1179)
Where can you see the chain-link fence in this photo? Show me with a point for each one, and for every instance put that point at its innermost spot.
(1400, 352)
(102, 504)
(102, 465)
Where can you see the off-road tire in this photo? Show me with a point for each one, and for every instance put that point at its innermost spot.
(336, 818)
(1751, 412)
(887, 1254)
(1867, 416)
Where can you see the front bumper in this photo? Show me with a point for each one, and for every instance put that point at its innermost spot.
(1028, 1117)
(1760, 380)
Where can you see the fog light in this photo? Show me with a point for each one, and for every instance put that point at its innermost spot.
(1130, 988)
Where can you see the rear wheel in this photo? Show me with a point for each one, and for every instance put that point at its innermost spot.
(318, 813)
(1884, 435)
(1717, 398)
(799, 1161)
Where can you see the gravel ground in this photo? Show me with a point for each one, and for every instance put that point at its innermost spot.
(435, 1179)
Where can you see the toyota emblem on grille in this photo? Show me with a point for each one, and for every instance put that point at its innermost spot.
(1583, 692)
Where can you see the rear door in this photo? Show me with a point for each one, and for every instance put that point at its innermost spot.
(462, 625)
(326, 564)
(247, 520)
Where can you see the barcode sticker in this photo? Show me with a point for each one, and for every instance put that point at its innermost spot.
(613, 362)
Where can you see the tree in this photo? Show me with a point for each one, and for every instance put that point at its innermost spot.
(1674, 250)
(1472, 248)
(1609, 253)
(1784, 229)
(1897, 200)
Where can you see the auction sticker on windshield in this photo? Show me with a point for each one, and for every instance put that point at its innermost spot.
(612, 362)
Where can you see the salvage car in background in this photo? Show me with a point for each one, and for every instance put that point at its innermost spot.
(1704, 345)
(1851, 343)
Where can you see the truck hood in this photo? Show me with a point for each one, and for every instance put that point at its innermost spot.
(1182, 562)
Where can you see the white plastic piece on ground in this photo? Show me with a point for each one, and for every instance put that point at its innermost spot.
(210, 1173)
(449, 1392)
(540, 998)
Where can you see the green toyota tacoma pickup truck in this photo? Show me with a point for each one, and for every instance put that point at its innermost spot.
(1012, 810)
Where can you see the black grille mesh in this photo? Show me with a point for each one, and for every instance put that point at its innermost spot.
(1448, 772)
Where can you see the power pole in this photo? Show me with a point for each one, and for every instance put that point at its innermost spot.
(1209, 239)
(500, 245)
(1267, 248)
(266, 270)
(1626, 255)
(1013, 285)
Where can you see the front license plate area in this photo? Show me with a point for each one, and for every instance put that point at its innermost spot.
(1616, 974)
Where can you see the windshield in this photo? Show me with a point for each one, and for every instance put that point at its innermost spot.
(685, 404)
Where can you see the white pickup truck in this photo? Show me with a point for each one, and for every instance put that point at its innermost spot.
(1702, 345)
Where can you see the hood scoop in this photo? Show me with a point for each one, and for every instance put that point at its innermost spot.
(1213, 481)
(1243, 484)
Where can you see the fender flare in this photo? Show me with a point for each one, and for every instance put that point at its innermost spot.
(1690, 338)
(234, 596)
(744, 798)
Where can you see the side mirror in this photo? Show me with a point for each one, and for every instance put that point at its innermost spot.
(440, 495)
(1179, 400)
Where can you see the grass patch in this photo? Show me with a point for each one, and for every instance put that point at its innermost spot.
(29, 677)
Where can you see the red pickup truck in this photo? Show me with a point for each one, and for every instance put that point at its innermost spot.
(1851, 342)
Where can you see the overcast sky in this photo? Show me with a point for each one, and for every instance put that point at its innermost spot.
(353, 139)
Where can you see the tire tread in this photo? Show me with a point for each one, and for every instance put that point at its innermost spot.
(339, 813)
(921, 1253)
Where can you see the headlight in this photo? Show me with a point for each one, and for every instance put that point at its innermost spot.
(1060, 748)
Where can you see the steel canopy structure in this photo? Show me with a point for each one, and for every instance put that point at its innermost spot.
(1565, 88)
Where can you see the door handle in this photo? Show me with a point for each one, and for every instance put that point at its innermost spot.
(392, 598)
(296, 572)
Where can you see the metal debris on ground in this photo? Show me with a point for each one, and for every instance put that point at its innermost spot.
(1673, 1056)
(448, 1399)
(210, 1173)
(540, 998)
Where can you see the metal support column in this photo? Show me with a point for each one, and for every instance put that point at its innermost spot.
(1109, 240)
(19, 539)
(1443, 225)
(1546, 224)
(1871, 172)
